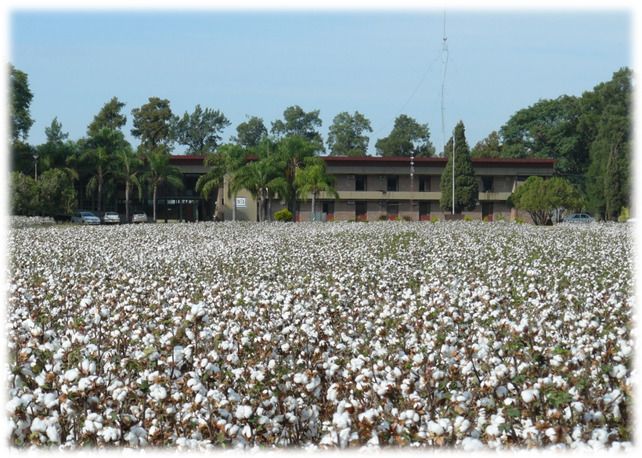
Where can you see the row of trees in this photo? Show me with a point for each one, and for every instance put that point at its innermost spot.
(589, 137)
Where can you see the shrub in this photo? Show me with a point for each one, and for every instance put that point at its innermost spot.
(383, 218)
(407, 218)
(434, 219)
(624, 215)
(283, 215)
(468, 218)
(500, 217)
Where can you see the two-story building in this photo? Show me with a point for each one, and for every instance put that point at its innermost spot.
(373, 188)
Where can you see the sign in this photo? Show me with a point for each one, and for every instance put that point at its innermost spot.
(241, 202)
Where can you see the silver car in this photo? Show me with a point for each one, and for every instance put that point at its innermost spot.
(111, 218)
(139, 218)
(84, 217)
(579, 218)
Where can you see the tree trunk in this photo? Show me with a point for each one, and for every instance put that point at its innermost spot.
(313, 218)
(220, 212)
(269, 208)
(154, 202)
(100, 192)
(127, 201)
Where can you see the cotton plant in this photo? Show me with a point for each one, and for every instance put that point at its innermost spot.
(459, 335)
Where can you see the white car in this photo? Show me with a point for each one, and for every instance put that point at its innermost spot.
(139, 218)
(83, 217)
(111, 218)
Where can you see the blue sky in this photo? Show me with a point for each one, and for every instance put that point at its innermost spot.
(258, 63)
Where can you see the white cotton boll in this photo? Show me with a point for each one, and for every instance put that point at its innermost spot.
(529, 395)
(551, 434)
(438, 374)
(600, 435)
(341, 419)
(612, 396)
(470, 444)
(158, 392)
(71, 374)
(267, 337)
(462, 424)
(285, 347)
(618, 371)
(332, 392)
(38, 425)
(247, 431)
(435, 428)
(178, 354)
(271, 364)
(50, 400)
(501, 391)
(418, 358)
(243, 411)
(300, 378)
(492, 430)
(356, 363)
(52, 434)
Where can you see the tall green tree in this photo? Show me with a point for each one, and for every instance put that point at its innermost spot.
(250, 133)
(109, 117)
(290, 155)
(297, 122)
(24, 194)
(127, 170)
(488, 147)
(347, 135)
(312, 180)
(200, 130)
(466, 186)
(159, 171)
(407, 138)
(153, 124)
(213, 180)
(57, 150)
(258, 177)
(56, 193)
(20, 98)
(99, 153)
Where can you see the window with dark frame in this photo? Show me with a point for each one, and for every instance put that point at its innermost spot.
(392, 183)
(424, 183)
(360, 183)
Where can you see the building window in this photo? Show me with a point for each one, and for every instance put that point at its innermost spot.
(487, 184)
(424, 183)
(392, 183)
(360, 183)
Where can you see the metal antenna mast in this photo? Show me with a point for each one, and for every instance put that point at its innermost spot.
(444, 60)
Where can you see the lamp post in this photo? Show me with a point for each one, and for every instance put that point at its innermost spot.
(35, 163)
(453, 200)
(412, 176)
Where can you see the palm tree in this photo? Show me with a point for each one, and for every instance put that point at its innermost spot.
(291, 153)
(159, 171)
(258, 177)
(311, 180)
(99, 152)
(127, 169)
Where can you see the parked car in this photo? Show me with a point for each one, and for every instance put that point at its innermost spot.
(579, 218)
(84, 217)
(139, 218)
(111, 218)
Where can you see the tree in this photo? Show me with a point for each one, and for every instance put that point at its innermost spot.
(24, 194)
(153, 123)
(99, 153)
(297, 122)
(56, 193)
(20, 97)
(57, 150)
(290, 154)
(466, 186)
(488, 147)
(126, 169)
(346, 136)
(540, 198)
(159, 171)
(407, 138)
(313, 179)
(250, 133)
(212, 180)
(109, 117)
(200, 131)
(258, 177)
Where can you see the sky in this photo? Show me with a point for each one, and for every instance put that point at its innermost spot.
(257, 63)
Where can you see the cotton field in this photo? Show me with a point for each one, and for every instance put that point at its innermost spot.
(463, 335)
